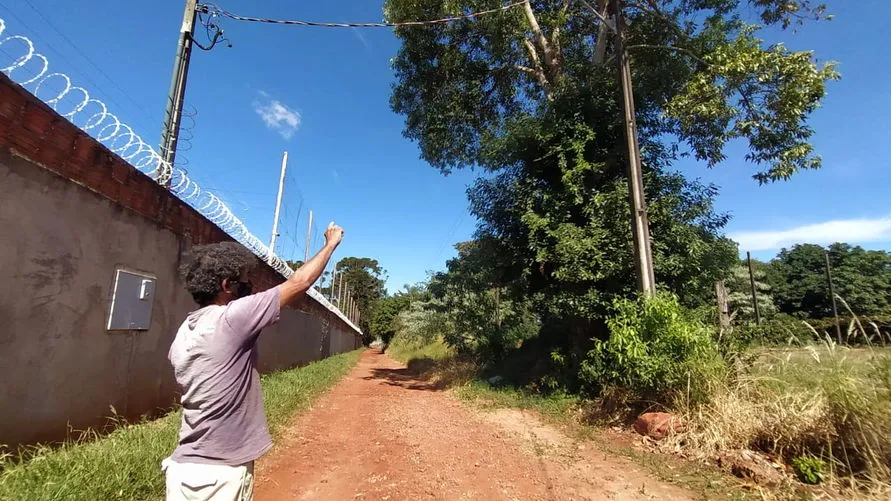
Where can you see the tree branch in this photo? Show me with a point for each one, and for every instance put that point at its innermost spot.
(671, 48)
(540, 38)
(538, 71)
(746, 99)
(602, 32)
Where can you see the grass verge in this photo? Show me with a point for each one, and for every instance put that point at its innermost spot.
(125, 464)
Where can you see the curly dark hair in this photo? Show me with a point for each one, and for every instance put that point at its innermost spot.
(209, 265)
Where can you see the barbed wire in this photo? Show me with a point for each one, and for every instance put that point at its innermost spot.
(31, 70)
(216, 10)
(92, 115)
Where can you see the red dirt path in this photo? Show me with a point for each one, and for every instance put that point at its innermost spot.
(385, 434)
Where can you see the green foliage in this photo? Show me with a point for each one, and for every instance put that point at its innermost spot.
(739, 292)
(365, 280)
(126, 464)
(656, 352)
(420, 325)
(531, 96)
(809, 469)
(777, 330)
(700, 73)
(744, 90)
(383, 317)
(862, 278)
(483, 315)
(406, 350)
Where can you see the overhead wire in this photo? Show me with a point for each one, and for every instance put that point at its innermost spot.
(213, 8)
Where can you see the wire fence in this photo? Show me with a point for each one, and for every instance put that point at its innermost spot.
(23, 64)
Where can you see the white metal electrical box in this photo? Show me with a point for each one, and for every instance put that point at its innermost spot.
(131, 303)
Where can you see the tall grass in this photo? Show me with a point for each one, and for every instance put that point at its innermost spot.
(826, 401)
(125, 464)
(406, 351)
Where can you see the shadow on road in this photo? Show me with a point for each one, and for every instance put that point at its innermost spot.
(417, 376)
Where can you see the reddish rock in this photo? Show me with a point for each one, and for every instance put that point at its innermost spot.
(658, 425)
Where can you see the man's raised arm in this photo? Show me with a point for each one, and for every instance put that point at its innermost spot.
(306, 275)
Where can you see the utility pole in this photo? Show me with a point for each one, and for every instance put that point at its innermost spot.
(174, 114)
(754, 294)
(278, 204)
(832, 293)
(308, 238)
(640, 229)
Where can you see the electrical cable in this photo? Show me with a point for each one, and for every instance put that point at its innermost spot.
(217, 10)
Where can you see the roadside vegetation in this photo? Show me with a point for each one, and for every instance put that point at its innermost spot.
(541, 302)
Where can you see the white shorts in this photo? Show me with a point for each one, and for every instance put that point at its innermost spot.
(208, 482)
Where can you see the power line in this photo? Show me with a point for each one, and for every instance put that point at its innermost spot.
(215, 9)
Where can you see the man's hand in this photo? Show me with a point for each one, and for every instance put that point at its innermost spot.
(333, 234)
(303, 278)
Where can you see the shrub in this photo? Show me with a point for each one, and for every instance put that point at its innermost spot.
(809, 469)
(656, 351)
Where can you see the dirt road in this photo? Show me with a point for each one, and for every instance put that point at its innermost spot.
(384, 434)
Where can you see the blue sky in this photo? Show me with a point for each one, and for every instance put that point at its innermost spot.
(322, 95)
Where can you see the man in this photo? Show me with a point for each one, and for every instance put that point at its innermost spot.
(214, 357)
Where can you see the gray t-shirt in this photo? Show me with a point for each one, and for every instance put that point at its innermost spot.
(214, 357)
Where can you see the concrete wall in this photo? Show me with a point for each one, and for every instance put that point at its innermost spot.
(71, 214)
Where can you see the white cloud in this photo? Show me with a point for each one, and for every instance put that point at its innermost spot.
(277, 115)
(842, 230)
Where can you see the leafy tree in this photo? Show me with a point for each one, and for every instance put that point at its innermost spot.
(739, 291)
(701, 74)
(365, 280)
(420, 325)
(487, 314)
(531, 95)
(862, 278)
(383, 322)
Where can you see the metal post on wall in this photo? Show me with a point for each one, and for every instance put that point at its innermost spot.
(308, 238)
(278, 203)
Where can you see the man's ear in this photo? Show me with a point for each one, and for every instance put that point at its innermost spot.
(225, 285)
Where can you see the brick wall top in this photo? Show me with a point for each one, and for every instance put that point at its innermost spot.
(31, 129)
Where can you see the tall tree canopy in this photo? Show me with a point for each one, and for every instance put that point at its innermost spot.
(862, 278)
(701, 75)
(365, 279)
(530, 94)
